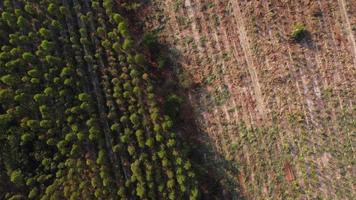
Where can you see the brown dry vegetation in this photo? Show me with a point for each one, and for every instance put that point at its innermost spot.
(282, 111)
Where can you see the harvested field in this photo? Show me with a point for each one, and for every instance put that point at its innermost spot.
(281, 110)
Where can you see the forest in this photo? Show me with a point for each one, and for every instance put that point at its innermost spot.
(79, 115)
(177, 99)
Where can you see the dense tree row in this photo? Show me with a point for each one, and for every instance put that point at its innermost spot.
(79, 117)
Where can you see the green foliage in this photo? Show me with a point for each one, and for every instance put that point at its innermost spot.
(21, 22)
(140, 191)
(49, 91)
(157, 128)
(81, 136)
(29, 8)
(93, 133)
(185, 80)
(95, 4)
(66, 71)
(127, 86)
(128, 44)
(9, 80)
(33, 124)
(70, 137)
(17, 177)
(5, 95)
(132, 6)
(56, 24)
(5, 119)
(167, 125)
(150, 40)
(299, 32)
(34, 73)
(84, 97)
(131, 150)
(68, 82)
(134, 119)
(6, 16)
(172, 106)
(105, 43)
(123, 119)
(159, 137)
(26, 138)
(116, 46)
(30, 181)
(150, 142)
(63, 10)
(60, 75)
(46, 45)
(44, 33)
(130, 59)
(123, 29)
(116, 148)
(17, 197)
(75, 150)
(171, 142)
(52, 8)
(194, 194)
(187, 165)
(28, 56)
(139, 59)
(118, 18)
(51, 142)
(45, 111)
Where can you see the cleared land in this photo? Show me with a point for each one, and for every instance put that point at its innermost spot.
(282, 111)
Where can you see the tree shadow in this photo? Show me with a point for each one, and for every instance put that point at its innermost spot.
(305, 41)
(217, 175)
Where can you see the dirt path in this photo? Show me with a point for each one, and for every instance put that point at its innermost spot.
(249, 58)
(348, 28)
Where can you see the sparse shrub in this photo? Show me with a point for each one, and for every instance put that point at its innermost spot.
(299, 32)
(172, 106)
(162, 62)
(185, 80)
(150, 40)
(131, 6)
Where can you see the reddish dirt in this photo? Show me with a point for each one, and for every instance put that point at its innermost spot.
(288, 171)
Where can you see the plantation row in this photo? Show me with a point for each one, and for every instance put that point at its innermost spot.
(79, 117)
